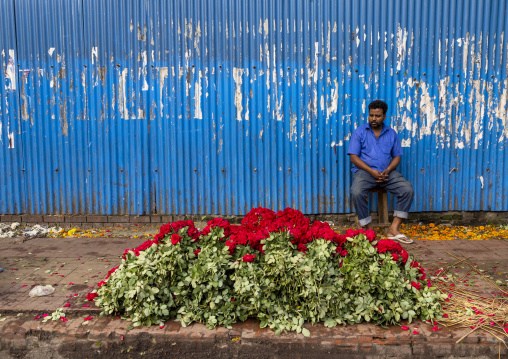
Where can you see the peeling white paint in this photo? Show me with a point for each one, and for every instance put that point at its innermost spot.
(237, 76)
(401, 46)
(94, 54)
(428, 109)
(122, 94)
(501, 111)
(10, 136)
(197, 99)
(10, 72)
(439, 51)
(334, 101)
(406, 143)
(163, 74)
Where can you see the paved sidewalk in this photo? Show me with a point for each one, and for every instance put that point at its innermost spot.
(74, 265)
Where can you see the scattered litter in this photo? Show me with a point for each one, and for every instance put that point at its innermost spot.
(8, 230)
(39, 231)
(41, 290)
(469, 308)
(14, 230)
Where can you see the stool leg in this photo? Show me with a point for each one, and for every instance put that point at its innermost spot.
(382, 207)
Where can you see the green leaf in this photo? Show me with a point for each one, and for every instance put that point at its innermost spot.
(305, 332)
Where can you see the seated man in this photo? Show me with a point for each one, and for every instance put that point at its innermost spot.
(375, 152)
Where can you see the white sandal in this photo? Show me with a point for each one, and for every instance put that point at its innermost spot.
(400, 238)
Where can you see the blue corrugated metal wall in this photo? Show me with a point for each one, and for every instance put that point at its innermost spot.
(134, 107)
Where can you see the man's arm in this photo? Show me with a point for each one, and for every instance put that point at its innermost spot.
(393, 165)
(378, 175)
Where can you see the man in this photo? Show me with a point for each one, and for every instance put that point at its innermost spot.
(375, 152)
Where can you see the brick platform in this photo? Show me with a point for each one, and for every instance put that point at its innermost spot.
(73, 265)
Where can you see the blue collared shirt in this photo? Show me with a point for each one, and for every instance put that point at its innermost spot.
(377, 153)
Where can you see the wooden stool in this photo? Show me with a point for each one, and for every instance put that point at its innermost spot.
(382, 207)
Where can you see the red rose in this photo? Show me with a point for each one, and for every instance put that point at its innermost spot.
(395, 257)
(231, 244)
(249, 257)
(302, 247)
(91, 296)
(370, 234)
(418, 286)
(196, 252)
(175, 238)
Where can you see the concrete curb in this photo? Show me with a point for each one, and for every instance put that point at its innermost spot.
(108, 337)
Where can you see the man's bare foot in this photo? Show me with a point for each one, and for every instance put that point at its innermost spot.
(392, 232)
(395, 235)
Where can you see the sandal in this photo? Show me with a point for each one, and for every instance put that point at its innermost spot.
(400, 238)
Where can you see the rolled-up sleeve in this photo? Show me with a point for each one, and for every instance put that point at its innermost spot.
(354, 145)
(397, 148)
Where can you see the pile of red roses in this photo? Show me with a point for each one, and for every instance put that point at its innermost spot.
(260, 222)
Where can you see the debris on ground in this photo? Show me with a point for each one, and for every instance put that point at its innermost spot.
(41, 290)
(443, 232)
(419, 231)
(39, 231)
(482, 308)
(8, 230)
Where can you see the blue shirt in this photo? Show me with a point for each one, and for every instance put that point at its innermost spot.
(377, 153)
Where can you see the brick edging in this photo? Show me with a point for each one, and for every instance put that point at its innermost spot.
(361, 340)
(94, 220)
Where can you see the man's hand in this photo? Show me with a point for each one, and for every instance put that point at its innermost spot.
(379, 176)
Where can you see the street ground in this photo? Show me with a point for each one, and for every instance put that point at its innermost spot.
(73, 266)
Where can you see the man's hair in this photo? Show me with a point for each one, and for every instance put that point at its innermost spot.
(378, 104)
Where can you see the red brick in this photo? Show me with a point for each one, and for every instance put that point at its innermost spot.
(195, 331)
(10, 218)
(167, 219)
(249, 328)
(32, 218)
(365, 341)
(100, 329)
(155, 219)
(114, 224)
(54, 219)
(75, 219)
(96, 219)
(172, 327)
(118, 219)
(139, 219)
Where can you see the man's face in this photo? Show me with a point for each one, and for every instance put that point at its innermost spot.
(376, 117)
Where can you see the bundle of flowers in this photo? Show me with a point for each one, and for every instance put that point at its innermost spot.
(277, 267)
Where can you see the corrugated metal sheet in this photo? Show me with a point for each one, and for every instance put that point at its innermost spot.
(54, 122)
(221, 106)
(11, 147)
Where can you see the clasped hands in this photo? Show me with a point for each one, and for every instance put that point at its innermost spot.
(380, 176)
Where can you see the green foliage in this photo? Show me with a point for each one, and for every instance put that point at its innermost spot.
(283, 287)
